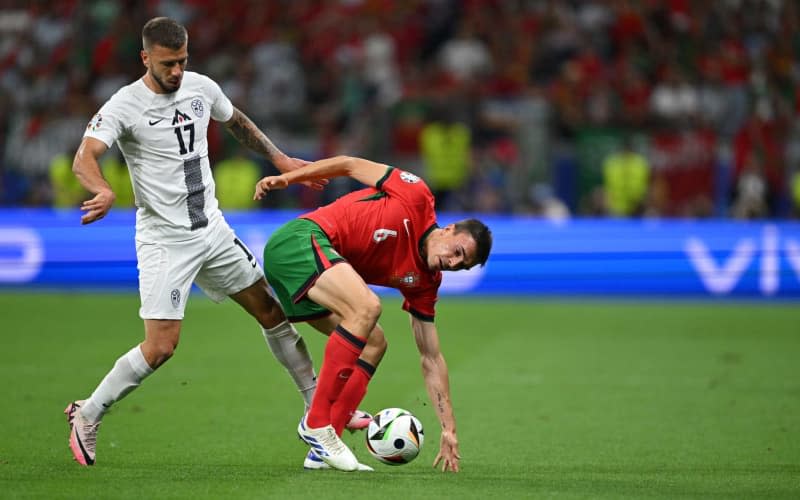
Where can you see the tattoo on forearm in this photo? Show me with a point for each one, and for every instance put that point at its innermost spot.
(246, 132)
(440, 403)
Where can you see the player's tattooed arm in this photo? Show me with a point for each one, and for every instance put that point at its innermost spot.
(246, 132)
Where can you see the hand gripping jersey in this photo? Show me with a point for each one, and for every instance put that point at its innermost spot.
(163, 138)
(379, 231)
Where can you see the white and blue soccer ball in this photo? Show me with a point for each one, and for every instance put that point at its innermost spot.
(395, 436)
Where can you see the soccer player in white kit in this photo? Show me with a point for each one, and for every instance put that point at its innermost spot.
(160, 123)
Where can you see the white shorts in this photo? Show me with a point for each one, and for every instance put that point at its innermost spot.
(219, 263)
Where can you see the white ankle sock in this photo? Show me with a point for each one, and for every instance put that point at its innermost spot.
(290, 350)
(127, 373)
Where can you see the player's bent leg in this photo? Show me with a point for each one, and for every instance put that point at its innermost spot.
(257, 301)
(340, 289)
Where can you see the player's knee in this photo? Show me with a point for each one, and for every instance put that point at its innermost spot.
(158, 353)
(361, 315)
(167, 349)
(371, 310)
(270, 314)
(260, 304)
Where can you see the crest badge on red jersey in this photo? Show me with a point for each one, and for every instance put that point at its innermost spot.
(409, 177)
(408, 280)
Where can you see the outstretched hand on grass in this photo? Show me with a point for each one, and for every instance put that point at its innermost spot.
(448, 455)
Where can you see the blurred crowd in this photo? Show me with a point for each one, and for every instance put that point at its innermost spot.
(558, 108)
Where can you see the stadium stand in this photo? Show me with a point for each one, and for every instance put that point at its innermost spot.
(546, 90)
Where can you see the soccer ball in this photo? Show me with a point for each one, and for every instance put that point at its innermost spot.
(394, 436)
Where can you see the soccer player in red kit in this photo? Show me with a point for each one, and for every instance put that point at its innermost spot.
(319, 266)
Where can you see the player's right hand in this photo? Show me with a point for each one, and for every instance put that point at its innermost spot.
(97, 207)
(448, 455)
(269, 183)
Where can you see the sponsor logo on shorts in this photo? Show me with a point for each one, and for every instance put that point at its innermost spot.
(175, 297)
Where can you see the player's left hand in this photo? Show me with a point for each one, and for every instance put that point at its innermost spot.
(448, 452)
(270, 183)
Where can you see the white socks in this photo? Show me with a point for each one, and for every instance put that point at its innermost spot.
(290, 349)
(127, 374)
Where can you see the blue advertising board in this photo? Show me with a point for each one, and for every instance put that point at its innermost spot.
(587, 257)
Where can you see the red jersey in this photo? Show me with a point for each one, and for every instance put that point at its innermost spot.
(380, 230)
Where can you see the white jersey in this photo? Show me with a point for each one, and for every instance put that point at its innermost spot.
(163, 138)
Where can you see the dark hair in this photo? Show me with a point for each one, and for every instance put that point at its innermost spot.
(165, 32)
(480, 233)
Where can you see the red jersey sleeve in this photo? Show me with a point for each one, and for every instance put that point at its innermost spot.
(421, 303)
(407, 187)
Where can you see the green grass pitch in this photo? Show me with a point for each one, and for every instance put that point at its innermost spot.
(554, 399)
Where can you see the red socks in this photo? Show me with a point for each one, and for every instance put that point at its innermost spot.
(341, 353)
(351, 395)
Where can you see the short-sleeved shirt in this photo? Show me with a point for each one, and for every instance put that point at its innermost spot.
(163, 138)
(380, 232)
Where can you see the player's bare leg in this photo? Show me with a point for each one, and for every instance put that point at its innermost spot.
(341, 290)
